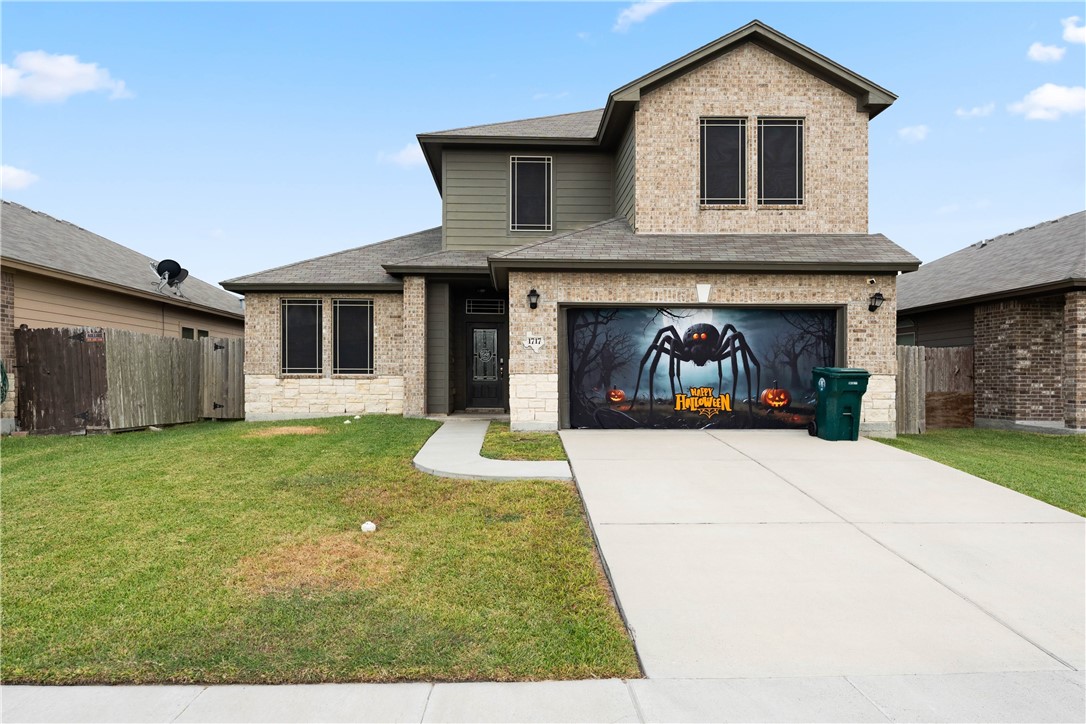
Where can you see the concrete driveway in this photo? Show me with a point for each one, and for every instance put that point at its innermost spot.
(766, 554)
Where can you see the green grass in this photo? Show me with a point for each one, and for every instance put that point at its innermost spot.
(1051, 468)
(200, 554)
(503, 444)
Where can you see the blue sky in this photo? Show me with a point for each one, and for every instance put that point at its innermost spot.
(237, 137)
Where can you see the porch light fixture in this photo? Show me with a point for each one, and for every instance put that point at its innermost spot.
(533, 299)
(875, 301)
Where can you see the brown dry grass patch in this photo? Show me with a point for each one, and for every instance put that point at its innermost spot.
(344, 561)
(288, 430)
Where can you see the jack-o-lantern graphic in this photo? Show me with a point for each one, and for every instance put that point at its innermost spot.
(775, 398)
(615, 395)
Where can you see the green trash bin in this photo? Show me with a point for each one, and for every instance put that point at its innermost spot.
(837, 412)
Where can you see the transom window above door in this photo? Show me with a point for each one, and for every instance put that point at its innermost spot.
(530, 193)
(723, 161)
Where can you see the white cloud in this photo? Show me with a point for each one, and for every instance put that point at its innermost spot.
(549, 96)
(584, 36)
(13, 179)
(1072, 31)
(409, 156)
(1045, 53)
(913, 134)
(45, 77)
(639, 12)
(1051, 101)
(975, 111)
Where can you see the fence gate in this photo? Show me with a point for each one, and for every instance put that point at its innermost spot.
(934, 388)
(62, 379)
(223, 378)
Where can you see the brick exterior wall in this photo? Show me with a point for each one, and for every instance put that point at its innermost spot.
(270, 395)
(1074, 360)
(749, 82)
(1019, 360)
(414, 361)
(7, 348)
(533, 376)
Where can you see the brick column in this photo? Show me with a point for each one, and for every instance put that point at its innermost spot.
(414, 334)
(1074, 360)
(7, 348)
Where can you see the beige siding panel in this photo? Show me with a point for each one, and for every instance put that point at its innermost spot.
(44, 302)
(476, 209)
(624, 176)
(437, 348)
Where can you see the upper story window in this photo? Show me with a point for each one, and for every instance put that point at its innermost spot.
(300, 336)
(723, 161)
(530, 193)
(780, 161)
(352, 327)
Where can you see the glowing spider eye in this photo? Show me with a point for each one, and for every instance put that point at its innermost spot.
(704, 335)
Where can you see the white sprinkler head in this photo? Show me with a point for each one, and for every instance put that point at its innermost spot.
(369, 526)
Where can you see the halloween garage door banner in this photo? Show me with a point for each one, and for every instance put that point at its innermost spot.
(668, 367)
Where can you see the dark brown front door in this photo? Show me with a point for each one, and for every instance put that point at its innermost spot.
(486, 347)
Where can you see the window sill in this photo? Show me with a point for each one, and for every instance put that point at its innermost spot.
(782, 207)
(723, 207)
(301, 375)
(354, 376)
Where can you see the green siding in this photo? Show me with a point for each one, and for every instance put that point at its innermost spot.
(476, 196)
(624, 176)
(437, 349)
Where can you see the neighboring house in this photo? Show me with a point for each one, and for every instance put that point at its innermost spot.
(1020, 301)
(56, 274)
(706, 229)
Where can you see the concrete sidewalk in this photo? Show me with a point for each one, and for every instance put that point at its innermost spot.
(1000, 697)
(453, 452)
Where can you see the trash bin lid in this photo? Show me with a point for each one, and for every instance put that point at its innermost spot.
(841, 371)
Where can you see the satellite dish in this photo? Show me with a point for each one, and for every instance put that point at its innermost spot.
(169, 274)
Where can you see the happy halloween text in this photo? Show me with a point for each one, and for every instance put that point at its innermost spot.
(702, 401)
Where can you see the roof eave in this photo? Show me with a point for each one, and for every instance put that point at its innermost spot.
(287, 287)
(444, 270)
(501, 266)
(1063, 285)
(119, 288)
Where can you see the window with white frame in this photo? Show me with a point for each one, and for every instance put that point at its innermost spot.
(352, 336)
(530, 193)
(723, 161)
(300, 336)
(780, 161)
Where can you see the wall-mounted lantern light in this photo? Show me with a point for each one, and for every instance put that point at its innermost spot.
(875, 301)
(533, 299)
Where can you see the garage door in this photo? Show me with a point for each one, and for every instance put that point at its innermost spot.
(690, 368)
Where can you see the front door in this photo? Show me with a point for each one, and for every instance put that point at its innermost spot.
(486, 346)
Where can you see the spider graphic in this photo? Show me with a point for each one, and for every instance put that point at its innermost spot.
(700, 344)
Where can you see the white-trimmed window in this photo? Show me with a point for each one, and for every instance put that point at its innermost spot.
(352, 336)
(723, 161)
(300, 336)
(780, 161)
(530, 193)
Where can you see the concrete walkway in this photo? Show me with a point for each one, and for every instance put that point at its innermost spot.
(453, 452)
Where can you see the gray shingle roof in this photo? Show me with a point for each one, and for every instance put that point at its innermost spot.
(361, 266)
(467, 260)
(613, 242)
(32, 237)
(582, 124)
(1046, 254)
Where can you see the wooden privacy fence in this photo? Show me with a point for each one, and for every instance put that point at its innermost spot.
(934, 388)
(80, 379)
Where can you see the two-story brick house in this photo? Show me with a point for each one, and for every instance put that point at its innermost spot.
(680, 258)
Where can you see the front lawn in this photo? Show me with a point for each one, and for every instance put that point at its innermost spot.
(1051, 468)
(222, 552)
(501, 443)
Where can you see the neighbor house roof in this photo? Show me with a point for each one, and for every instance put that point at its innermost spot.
(40, 243)
(604, 127)
(1047, 257)
(358, 268)
(612, 245)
